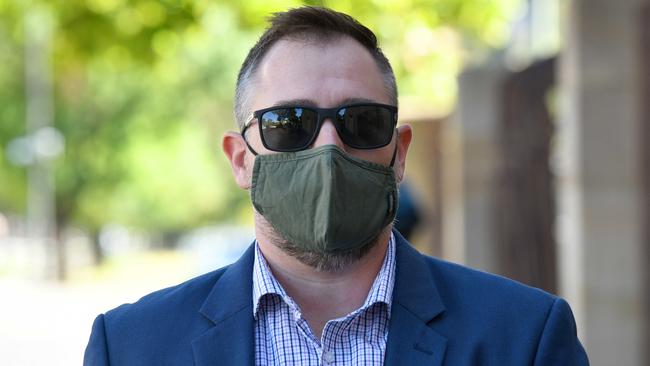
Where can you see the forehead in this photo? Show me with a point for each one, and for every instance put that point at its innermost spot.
(324, 73)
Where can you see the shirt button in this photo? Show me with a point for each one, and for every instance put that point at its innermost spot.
(328, 356)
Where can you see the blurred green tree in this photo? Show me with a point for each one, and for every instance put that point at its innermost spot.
(143, 89)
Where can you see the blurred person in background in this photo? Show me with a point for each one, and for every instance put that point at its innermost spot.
(327, 280)
(408, 212)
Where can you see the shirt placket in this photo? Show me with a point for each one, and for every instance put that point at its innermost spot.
(305, 331)
(336, 349)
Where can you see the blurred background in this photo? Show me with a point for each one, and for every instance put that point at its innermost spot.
(531, 153)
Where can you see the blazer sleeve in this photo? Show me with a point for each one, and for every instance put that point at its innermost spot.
(97, 351)
(559, 344)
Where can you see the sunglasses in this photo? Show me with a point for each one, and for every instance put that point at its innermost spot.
(294, 128)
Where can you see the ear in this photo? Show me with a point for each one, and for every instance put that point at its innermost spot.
(234, 147)
(404, 135)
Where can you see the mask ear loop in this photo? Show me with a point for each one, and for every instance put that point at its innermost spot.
(392, 160)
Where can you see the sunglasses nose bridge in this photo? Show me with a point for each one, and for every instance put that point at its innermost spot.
(327, 135)
(328, 113)
(324, 114)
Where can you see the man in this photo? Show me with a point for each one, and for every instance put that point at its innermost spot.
(326, 281)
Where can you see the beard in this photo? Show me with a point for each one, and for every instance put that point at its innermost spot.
(323, 261)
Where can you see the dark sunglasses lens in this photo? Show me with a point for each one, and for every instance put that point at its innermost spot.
(366, 127)
(288, 129)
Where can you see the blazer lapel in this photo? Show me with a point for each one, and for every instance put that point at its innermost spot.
(411, 341)
(416, 302)
(229, 306)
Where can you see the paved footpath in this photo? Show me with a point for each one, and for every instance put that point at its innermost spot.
(48, 323)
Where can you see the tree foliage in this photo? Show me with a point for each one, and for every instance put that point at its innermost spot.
(143, 91)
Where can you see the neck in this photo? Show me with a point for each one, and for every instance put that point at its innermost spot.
(324, 296)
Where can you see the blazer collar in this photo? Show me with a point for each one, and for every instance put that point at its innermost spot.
(411, 339)
(230, 307)
(416, 303)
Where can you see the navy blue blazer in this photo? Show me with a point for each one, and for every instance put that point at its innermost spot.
(442, 314)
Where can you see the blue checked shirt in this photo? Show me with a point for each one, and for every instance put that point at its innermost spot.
(283, 337)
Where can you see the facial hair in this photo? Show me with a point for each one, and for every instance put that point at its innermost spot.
(322, 261)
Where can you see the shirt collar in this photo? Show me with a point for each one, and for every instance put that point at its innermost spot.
(264, 283)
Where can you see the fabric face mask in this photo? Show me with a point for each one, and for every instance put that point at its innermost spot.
(323, 199)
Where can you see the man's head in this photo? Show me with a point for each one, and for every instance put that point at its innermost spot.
(314, 58)
(307, 25)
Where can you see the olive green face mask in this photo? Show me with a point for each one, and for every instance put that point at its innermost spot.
(323, 199)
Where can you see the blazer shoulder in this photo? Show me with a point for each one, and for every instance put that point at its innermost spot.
(160, 327)
(187, 295)
(470, 288)
(178, 307)
(492, 317)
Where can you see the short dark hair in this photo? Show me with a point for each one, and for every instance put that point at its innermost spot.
(306, 24)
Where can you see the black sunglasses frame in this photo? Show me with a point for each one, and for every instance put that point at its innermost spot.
(322, 114)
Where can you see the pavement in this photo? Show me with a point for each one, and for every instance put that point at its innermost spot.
(49, 322)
